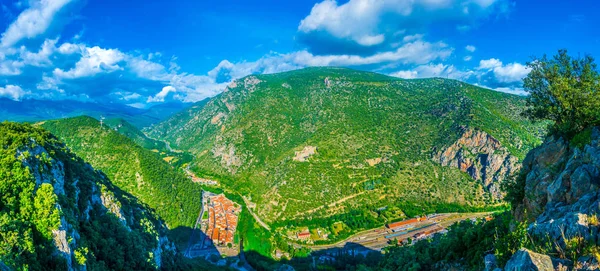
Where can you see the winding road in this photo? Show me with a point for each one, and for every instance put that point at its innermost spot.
(260, 222)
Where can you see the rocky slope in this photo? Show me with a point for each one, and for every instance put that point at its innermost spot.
(300, 146)
(562, 201)
(482, 157)
(562, 188)
(58, 213)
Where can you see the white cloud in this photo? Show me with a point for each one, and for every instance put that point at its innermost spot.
(12, 92)
(10, 67)
(160, 97)
(414, 37)
(147, 69)
(93, 61)
(33, 21)
(489, 63)
(470, 48)
(408, 74)
(372, 22)
(418, 52)
(513, 72)
(467, 58)
(70, 48)
(42, 57)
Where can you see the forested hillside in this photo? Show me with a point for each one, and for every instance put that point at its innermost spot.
(330, 142)
(130, 167)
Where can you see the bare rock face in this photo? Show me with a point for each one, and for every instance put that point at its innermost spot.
(562, 190)
(526, 260)
(482, 157)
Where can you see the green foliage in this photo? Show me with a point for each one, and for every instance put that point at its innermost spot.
(466, 243)
(514, 187)
(582, 138)
(47, 216)
(80, 255)
(507, 243)
(29, 214)
(130, 131)
(564, 90)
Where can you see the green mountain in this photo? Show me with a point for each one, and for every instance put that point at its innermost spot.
(354, 146)
(58, 213)
(132, 168)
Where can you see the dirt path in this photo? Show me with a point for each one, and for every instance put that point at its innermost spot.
(260, 222)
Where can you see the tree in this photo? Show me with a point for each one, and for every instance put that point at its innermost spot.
(564, 90)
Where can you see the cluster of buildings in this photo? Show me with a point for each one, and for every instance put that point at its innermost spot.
(404, 224)
(222, 220)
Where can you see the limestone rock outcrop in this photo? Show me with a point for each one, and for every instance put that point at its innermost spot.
(526, 260)
(482, 157)
(562, 189)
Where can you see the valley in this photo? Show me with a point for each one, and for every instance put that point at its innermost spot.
(314, 135)
(316, 196)
(339, 162)
(319, 202)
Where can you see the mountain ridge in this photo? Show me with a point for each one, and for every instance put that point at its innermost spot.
(307, 129)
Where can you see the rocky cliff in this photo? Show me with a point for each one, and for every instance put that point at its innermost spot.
(482, 157)
(562, 188)
(61, 214)
(562, 200)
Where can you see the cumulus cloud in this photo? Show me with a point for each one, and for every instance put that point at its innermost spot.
(33, 21)
(467, 58)
(470, 48)
(370, 23)
(160, 97)
(40, 58)
(513, 72)
(94, 60)
(489, 63)
(12, 92)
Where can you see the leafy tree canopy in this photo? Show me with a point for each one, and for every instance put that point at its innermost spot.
(564, 90)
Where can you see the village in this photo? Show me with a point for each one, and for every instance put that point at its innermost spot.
(216, 227)
(222, 220)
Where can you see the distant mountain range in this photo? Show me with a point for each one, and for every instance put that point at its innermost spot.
(37, 110)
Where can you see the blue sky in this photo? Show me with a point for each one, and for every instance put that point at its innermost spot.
(142, 53)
